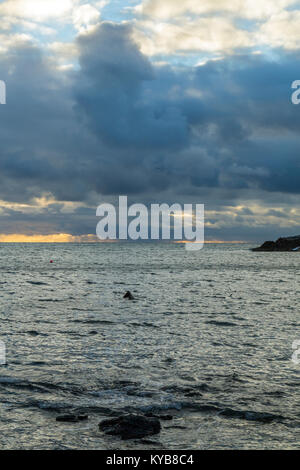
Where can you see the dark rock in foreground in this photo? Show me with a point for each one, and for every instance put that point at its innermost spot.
(130, 426)
(282, 244)
(71, 418)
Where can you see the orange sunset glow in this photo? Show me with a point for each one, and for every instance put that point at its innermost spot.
(52, 238)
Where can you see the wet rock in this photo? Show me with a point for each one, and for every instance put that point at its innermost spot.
(128, 296)
(130, 426)
(32, 333)
(82, 417)
(176, 426)
(71, 418)
(282, 244)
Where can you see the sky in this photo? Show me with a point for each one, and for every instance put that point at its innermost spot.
(160, 100)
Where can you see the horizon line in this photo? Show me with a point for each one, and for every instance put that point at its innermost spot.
(90, 238)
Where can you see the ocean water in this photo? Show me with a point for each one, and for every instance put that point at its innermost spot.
(208, 340)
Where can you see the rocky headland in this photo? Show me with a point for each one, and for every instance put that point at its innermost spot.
(282, 244)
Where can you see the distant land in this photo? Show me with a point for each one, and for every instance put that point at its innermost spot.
(282, 244)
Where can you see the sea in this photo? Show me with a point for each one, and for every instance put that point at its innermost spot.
(207, 341)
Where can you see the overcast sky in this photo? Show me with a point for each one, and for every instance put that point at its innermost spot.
(160, 100)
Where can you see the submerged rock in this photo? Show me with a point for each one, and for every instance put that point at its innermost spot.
(71, 418)
(251, 415)
(282, 244)
(130, 426)
(162, 417)
(128, 296)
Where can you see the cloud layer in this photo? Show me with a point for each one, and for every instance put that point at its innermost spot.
(223, 133)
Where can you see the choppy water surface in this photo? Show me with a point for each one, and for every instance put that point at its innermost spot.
(209, 339)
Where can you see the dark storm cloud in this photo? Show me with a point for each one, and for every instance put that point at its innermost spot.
(122, 125)
(34, 126)
(112, 91)
(153, 120)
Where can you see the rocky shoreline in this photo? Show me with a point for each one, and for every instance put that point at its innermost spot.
(282, 244)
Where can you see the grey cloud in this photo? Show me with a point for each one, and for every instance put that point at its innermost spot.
(122, 125)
